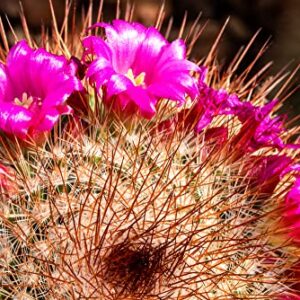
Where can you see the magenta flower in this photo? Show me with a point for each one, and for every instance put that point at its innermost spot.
(259, 130)
(291, 214)
(137, 66)
(265, 172)
(211, 103)
(34, 87)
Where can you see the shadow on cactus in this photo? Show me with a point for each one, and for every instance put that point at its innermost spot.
(128, 171)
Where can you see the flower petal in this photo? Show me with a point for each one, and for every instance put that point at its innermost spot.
(168, 91)
(48, 120)
(118, 83)
(124, 39)
(148, 53)
(3, 81)
(15, 119)
(145, 103)
(95, 45)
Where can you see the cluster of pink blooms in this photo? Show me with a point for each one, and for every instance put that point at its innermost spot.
(34, 88)
(134, 68)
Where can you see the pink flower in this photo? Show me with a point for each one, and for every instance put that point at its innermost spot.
(258, 128)
(34, 87)
(265, 172)
(211, 103)
(291, 214)
(136, 67)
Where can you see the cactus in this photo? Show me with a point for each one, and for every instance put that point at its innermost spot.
(120, 198)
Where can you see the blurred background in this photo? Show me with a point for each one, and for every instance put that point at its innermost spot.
(278, 19)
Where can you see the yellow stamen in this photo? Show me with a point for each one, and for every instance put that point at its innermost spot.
(26, 100)
(138, 80)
